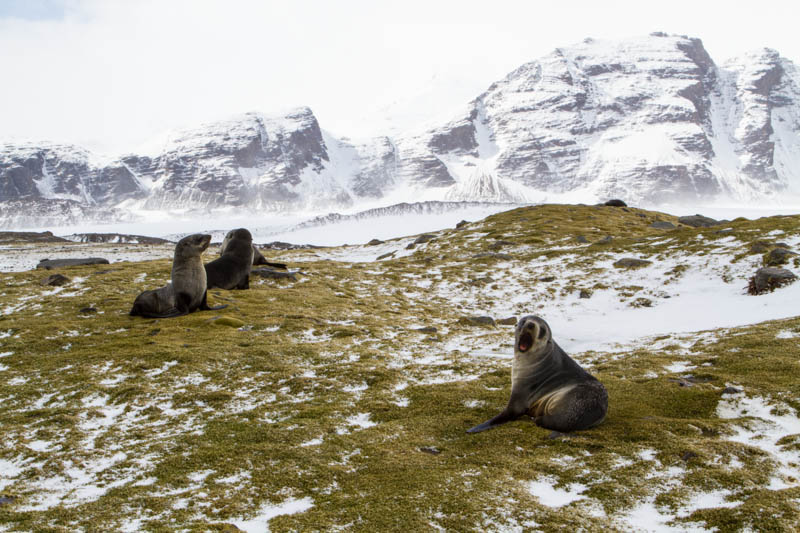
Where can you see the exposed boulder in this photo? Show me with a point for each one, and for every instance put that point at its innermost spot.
(476, 321)
(615, 203)
(48, 264)
(778, 256)
(698, 221)
(55, 280)
(768, 279)
(631, 262)
(662, 224)
(425, 237)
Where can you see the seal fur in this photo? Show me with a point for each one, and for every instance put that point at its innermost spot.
(232, 269)
(548, 385)
(258, 259)
(187, 292)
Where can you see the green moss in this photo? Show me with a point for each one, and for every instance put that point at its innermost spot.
(266, 407)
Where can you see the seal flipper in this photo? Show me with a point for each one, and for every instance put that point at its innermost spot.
(507, 415)
(204, 304)
(274, 265)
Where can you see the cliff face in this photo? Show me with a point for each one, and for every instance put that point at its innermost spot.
(650, 119)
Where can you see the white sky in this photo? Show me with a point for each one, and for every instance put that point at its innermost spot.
(111, 75)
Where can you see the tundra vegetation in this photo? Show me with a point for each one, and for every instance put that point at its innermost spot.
(340, 400)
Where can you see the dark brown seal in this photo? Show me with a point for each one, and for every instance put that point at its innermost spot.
(549, 385)
(232, 269)
(187, 292)
(258, 259)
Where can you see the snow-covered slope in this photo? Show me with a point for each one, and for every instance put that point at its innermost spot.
(650, 120)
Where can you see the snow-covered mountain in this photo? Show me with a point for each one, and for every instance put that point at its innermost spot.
(650, 119)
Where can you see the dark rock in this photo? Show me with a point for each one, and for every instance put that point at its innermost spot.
(768, 279)
(781, 245)
(605, 240)
(424, 238)
(581, 239)
(374, 242)
(687, 456)
(492, 255)
(427, 329)
(510, 321)
(384, 256)
(6, 500)
(461, 224)
(759, 247)
(731, 390)
(433, 450)
(584, 294)
(48, 264)
(55, 280)
(615, 203)
(499, 244)
(547, 279)
(682, 382)
(153, 332)
(476, 321)
(698, 221)
(662, 224)
(481, 281)
(778, 256)
(273, 274)
(630, 262)
(88, 310)
(642, 302)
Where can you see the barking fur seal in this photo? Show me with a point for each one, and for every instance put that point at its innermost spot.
(549, 385)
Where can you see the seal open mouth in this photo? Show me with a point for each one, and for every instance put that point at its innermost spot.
(525, 342)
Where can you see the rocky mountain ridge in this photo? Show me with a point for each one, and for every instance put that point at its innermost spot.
(650, 120)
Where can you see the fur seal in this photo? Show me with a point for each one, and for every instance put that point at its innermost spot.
(549, 385)
(187, 292)
(258, 259)
(232, 269)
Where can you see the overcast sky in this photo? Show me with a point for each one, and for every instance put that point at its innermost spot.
(111, 75)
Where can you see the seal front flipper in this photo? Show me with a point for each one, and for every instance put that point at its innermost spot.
(204, 304)
(506, 416)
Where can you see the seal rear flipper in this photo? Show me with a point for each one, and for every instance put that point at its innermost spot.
(169, 314)
(274, 265)
(204, 304)
(506, 416)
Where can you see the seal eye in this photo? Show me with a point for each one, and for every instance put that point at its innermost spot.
(542, 333)
(525, 342)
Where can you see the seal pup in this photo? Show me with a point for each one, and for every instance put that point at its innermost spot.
(549, 385)
(232, 269)
(187, 292)
(258, 259)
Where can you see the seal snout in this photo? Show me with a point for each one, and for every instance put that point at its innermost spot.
(530, 330)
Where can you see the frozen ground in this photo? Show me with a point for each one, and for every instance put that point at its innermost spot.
(355, 355)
